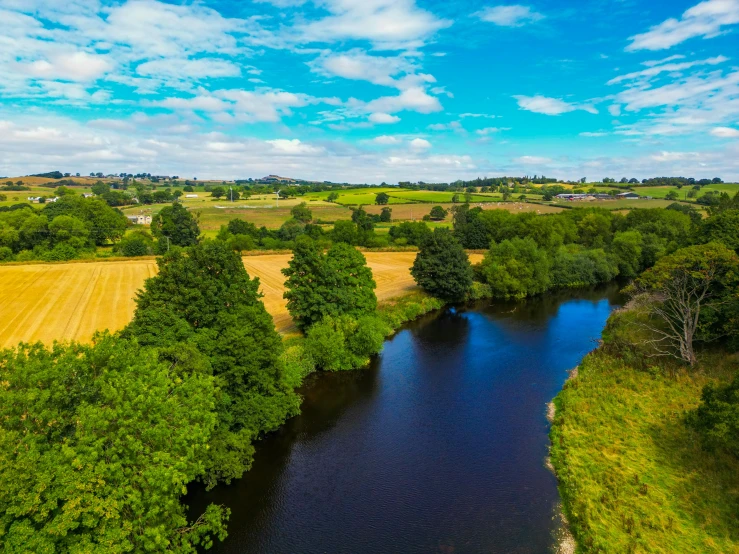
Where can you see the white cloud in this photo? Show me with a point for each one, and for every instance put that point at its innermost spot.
(185, 70)
(658, 68)
(550, 106)
(593, 134)
(234, 105)
(705, 20)
(358, 65)
(491, 130)
(489, 116)
(451, 126)
(652, 63)
(68, 66)
(389, 24)
(293, 147)
(614, 110)
(532, 160)
(725, 132)
(383, 118)
(509, 16)
(386, 140)
(419, 144)
(414, 99)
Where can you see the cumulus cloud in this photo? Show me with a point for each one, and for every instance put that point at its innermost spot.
(706, 20)
(293, 147)
(509, 16)
(419, 144)
(383, 118)
(532, 160)
(725, 132)
(386, 140)
(550, 106)
(414, 99)
(389, 24)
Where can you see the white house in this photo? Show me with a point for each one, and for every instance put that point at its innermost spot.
(191, 196)
(139, 219)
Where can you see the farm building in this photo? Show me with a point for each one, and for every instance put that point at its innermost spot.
(628, 196)
(139, 219)
(191, 196)
(574, 197)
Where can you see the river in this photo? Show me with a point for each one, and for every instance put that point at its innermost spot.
(438, 446)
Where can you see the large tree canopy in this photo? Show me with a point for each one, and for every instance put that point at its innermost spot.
(331, 284)
(97, 444)
(516, 268)
(203, 296)
(442, 267)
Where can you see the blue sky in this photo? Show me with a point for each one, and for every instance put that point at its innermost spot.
(371, 90)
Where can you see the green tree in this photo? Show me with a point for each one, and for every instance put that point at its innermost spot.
(63, 191)
(332, 197)
(386, 215)
(202, 296)
(345, 231)
(218, 192)
(684, 295)
(331, 284)
(717, 418)
(302, 213)
(438, 213)
(442, 267)
(723, 228)
(241, 227)
(97, 444)
(627, 250)
(382, 198)
(516, 268)
(177, 224)
(100, 188)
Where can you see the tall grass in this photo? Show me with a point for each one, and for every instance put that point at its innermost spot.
(633, 477)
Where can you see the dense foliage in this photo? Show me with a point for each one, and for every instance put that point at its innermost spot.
(97, 444)
(442, 267)
(203, 297)
(175, 226)
(69, 228)
(334, 283)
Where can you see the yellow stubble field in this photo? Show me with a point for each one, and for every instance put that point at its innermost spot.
(47, 302)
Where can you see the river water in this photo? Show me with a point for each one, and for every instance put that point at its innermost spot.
(438, 446)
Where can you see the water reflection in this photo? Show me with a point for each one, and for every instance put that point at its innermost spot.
(437, 447)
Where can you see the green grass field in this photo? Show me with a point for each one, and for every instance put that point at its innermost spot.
(632, 474)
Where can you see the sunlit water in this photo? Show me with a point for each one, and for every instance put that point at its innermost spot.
(439, 446)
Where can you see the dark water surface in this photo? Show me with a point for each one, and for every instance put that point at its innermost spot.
(439, 446)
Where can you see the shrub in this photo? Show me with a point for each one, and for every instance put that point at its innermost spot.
(717, 418)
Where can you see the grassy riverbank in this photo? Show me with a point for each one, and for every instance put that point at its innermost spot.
(394, 313)
(633, 476)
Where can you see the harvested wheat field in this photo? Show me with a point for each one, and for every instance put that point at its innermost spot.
(44, 302)
(47, 302)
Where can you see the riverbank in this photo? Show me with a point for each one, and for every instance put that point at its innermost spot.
(632, 475)
(394, 312)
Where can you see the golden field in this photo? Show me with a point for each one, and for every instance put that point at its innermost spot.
(47, 302)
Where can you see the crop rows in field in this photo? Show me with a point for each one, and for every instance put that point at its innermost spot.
(47, 302)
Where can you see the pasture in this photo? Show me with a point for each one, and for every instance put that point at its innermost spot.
(71, 301)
